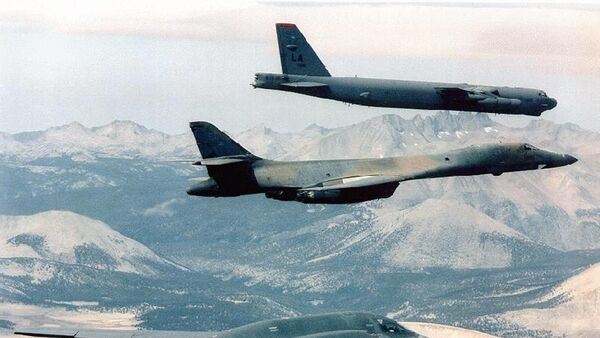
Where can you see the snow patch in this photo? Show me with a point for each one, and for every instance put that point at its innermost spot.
(37, 316)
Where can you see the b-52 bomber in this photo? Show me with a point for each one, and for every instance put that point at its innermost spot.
(234, 171)
(329, 325)
(304, 73)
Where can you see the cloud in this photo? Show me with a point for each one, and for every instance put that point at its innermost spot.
(546, 30)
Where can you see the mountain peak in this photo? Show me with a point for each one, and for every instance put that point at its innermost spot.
(69, 127)
(120, 127)
(261, 129)
(71, 238)
(314, 126)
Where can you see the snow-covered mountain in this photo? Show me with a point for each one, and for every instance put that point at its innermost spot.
(557, 207)
(32, 245)
(457, 251)
(462, 238)
(435, 233)
(124, 139)
(574, 309)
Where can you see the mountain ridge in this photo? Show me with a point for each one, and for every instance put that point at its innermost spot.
(556, 207)
(384, 135)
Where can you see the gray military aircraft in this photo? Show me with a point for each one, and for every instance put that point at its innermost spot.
(332, 325)
(304, 73)
(234, 171)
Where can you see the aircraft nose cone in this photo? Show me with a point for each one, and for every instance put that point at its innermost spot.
(570, 159)
(559, 160)
(548, 103)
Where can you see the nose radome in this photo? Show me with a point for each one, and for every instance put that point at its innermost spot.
(569, 159)
(551, 104)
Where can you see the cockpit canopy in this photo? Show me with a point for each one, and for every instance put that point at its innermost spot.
(528, 146)
(389, 325)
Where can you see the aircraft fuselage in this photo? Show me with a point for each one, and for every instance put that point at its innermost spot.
(412, 94)
(287, 180)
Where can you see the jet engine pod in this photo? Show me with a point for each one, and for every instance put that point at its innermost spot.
(282, 195)
(204, 187)
(320, 196)
(346, 195)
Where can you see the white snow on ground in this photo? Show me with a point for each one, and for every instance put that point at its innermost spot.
(40, 316)
(443, 331)
(578, 311)
(56, 235)
(38, 271)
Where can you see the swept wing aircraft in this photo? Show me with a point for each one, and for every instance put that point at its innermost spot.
(304, 73)
(234, 171)
(331, 325)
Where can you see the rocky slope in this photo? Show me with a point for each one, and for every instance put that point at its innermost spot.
(570, 310)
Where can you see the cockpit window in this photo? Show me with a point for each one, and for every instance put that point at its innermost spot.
(542, 94)
(529, 147)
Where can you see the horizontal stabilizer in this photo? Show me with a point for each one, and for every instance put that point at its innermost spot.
(222, 161)
(45, 332)
(304, 84)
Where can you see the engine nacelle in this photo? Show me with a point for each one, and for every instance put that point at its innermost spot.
(282, 195)
(346, 195)
(204, 187)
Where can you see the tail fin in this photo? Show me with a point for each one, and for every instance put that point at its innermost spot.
(214, 143)
(297, 56)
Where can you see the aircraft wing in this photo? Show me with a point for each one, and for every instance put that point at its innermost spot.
(304, 84)
(354, 182)
(465, 93)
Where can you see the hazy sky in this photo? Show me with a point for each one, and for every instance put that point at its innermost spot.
(164, 63)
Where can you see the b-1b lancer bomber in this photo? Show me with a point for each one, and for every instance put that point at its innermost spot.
(234, 171)
(304, 73)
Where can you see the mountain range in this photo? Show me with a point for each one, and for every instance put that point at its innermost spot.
(523, 201)
(464, 251)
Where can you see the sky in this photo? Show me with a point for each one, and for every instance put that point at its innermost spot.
(165, 63)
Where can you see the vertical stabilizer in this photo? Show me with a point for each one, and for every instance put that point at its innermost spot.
(214, 143)
(297, 56)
